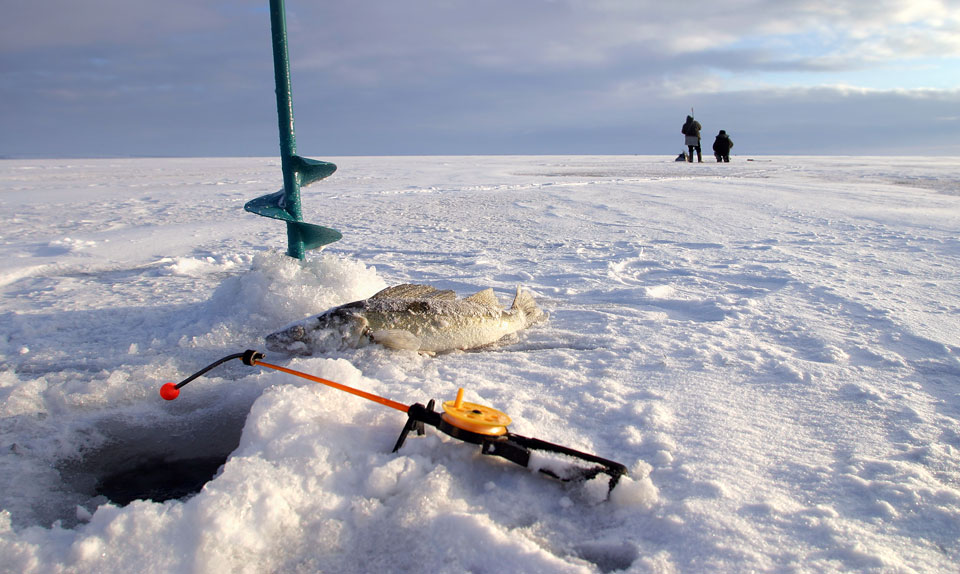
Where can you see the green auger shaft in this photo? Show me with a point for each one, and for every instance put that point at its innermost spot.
(288, 137)
(297, 171)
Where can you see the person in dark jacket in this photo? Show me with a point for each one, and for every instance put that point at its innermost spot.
(721, 147)
(691, 131)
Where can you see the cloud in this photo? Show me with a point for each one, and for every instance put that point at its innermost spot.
(52, 24)
(377, 76)
(521, 36)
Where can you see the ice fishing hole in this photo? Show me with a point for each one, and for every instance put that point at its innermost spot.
(159, 479)
(159, 461)
(609, 556)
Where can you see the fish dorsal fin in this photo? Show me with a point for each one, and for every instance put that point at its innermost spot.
(444, 295)
(485, 297)
(525, 303)
(411, 291)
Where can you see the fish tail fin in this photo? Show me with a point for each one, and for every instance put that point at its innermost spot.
(525, 303)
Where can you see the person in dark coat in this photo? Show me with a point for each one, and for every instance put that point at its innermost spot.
(691, 130)
(721, 147)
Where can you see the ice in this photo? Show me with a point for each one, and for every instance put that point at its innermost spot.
(771, 348)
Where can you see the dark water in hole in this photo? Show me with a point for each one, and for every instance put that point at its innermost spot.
(160, 480)
(118, 456)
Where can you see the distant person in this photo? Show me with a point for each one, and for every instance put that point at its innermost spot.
(721, 147)
(691, 131)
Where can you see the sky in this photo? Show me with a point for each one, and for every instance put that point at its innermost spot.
(450, 77)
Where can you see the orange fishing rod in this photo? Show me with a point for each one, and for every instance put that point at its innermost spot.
(171, 391)
(369, 396)
(469, 422)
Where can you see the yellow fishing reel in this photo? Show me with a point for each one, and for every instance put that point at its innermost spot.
(474, 418)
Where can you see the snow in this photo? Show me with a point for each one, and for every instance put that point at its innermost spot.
(771, 346)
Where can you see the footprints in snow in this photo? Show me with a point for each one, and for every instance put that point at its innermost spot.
(664, 282)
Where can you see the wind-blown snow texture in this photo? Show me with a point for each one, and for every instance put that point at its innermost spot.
(772, 347)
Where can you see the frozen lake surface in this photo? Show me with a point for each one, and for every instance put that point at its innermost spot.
(771, 346)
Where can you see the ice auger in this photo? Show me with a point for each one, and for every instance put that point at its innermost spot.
(297, 171)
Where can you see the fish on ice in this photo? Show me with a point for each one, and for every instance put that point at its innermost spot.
(413, 317)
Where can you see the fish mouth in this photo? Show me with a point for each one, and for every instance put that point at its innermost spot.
(273, 341)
